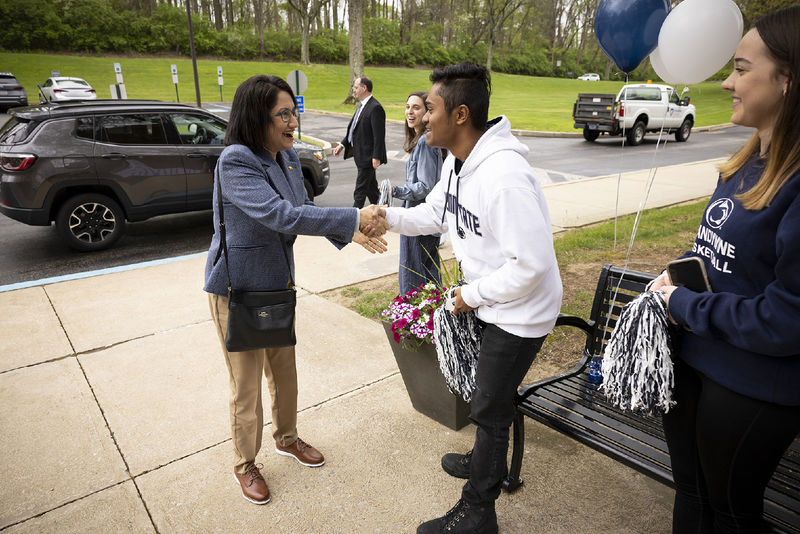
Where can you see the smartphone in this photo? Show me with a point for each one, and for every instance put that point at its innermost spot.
(689, 273)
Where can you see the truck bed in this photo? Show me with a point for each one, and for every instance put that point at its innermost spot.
(594, 110)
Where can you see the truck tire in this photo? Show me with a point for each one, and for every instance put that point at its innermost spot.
(90, 222)
(636, 134)
(590, 135)
(683, 133)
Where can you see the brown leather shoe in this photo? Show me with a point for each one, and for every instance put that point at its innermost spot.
(302, 452)
(254, 487)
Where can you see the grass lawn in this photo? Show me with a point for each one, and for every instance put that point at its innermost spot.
(531, 103)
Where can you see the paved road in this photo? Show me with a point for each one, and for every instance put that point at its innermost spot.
(33, 253)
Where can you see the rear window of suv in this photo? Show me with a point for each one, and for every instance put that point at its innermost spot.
(139, 129)
(16, 130)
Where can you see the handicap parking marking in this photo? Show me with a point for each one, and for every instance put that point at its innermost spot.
(549, 176)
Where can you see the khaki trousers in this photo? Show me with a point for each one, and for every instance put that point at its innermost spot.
(246, 411)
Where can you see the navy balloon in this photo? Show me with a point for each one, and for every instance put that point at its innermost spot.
(627, 30)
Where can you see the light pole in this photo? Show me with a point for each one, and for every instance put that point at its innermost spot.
(191, 47)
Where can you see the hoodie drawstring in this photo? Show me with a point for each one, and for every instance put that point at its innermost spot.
(459, 231)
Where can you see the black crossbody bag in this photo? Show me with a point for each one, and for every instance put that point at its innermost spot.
(257, 319)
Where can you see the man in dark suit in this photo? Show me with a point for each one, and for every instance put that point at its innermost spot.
(365, 142)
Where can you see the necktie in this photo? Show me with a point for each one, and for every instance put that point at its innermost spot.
(353, 126)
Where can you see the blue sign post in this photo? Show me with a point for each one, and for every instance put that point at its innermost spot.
(300, 101)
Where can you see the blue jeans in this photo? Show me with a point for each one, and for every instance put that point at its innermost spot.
(419, 261)
(502, 364)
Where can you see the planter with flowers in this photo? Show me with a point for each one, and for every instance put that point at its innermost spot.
(408, 321)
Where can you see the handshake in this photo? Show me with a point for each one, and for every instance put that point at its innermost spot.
(371, 226)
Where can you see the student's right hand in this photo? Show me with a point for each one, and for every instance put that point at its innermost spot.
(372, 221)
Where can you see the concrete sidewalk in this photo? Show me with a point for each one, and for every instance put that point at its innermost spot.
(114, 418)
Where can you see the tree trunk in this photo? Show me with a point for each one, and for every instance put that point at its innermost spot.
(258, 14)
(229, 12)
(335, 15)
(276, 15)
(356, 60)
(217, 15)
(305, 24)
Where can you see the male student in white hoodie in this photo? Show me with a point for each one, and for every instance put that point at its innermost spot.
(490, 201)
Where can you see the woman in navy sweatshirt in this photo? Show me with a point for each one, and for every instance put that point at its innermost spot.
(737, 368)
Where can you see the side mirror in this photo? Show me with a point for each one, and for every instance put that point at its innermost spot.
(685, 101)
(684, 90)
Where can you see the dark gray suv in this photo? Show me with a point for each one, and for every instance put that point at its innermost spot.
(91, 166)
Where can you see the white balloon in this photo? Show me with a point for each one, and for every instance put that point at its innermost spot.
(696, 40)
(661, 70)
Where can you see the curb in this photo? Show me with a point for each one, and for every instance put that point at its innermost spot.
(533, 133)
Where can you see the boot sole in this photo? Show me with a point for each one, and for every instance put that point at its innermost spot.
(245, 497)
(290, 455)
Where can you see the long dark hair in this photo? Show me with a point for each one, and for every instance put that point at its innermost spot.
(412, 136)
(250, 112)
(779, 31)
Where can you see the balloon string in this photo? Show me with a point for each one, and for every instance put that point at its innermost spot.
(619, 175)
(651, 177)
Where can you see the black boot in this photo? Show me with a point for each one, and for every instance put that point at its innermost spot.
(457, 465)
(463, 518)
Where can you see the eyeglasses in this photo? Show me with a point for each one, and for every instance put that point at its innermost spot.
(286, 114)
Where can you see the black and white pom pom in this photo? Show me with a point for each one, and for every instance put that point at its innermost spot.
(637, 368)
(458, 342)
(385, 189)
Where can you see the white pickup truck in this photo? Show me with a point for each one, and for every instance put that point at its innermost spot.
(638, 108)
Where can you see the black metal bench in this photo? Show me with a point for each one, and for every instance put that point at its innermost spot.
(569, 403)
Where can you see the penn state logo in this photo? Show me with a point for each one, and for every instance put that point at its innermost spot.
(718, 212)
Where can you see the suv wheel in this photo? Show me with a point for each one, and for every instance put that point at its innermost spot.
(90, 222)
(590, 135)
(682, 133)
(636, 134)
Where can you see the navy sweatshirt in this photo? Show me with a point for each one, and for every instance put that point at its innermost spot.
(746, 334)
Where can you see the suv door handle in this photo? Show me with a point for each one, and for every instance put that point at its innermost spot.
(114, 155)
(196, 155)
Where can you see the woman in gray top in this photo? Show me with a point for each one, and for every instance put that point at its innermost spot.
(419, 255)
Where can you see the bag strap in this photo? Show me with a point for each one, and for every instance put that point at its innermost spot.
(222, 236)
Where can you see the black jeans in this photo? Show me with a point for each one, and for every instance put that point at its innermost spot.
(502, 364)
(724, 447)
(366, 187)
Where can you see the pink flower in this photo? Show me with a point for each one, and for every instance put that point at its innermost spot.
(415, 314)
(396, 337)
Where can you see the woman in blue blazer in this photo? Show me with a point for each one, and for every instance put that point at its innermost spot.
(264, 202)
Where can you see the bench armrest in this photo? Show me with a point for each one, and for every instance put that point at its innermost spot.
(577, 322)
(562, 320)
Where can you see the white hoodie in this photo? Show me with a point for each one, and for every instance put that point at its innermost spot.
(502, 237)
